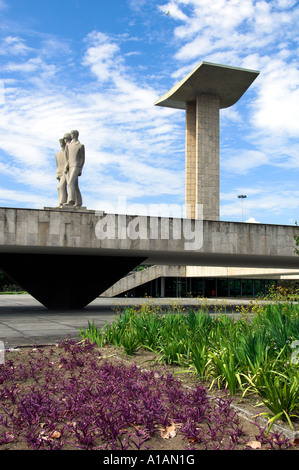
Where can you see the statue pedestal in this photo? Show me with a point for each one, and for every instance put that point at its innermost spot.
(70, 209)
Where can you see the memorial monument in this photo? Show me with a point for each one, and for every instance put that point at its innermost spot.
(202, 93)
(69, 164)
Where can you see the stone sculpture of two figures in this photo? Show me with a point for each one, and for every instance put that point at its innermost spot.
(69, 164)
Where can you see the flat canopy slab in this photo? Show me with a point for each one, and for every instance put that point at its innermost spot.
(229, 83)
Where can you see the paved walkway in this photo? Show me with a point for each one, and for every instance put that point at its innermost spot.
(24, 321)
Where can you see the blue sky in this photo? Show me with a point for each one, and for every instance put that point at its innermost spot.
(99, 66)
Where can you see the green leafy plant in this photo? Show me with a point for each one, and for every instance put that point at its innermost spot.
(93, 334)
(225, 369)
(129, 340)
(200, 358)
(172, 351)
(279, 393)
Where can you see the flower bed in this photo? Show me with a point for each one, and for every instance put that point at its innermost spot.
(72, 397)
(255, 354)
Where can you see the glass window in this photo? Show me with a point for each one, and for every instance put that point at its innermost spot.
(210, 288)
(247, 288)
(197, 287)
(235, 288)
(259, 287)
(182, 286)
(222, 288)
(170, 287)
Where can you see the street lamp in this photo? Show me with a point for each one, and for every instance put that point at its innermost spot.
(242, 196)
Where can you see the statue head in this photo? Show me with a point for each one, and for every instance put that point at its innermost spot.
(74, 134)
(62, 143)
(67, 137)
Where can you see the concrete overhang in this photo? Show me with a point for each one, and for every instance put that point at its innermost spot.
(163, 257)
(161, 240)
(229, 83)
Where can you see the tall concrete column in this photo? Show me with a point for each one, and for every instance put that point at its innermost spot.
(207, 155)
(202, 93)
(190, 160)
(202, 156)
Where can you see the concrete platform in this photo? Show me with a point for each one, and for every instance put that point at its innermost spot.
(65, 260)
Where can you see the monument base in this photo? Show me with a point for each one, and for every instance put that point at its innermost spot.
(71, 209)
(66, 282)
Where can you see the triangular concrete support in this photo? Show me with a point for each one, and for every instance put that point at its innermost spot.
(65, 282)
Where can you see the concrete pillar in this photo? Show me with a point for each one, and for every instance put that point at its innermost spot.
(202, 156)
(190, 160)
(202, 93)
(207, 155)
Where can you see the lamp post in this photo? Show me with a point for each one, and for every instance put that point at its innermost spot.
(242, 196)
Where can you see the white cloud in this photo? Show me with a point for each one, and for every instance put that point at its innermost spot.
(277, 103)
(101, 55)
(253, 34)
(52, 46)
(15, 197)
(230, 33)
(137, 4)
(262, 204)
(33, 65)
(172, 9)
(241, 161)
(12, 45)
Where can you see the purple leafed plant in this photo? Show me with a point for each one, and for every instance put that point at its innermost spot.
(70, 397)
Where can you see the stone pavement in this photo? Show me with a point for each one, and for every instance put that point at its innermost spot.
(24, 321)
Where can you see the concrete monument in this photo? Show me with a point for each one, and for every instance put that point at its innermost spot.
(75, 159)
(60, 173)
(202, 93)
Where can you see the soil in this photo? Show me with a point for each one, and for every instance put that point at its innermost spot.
(163, 441)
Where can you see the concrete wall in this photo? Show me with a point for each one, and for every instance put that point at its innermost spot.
(223, 243)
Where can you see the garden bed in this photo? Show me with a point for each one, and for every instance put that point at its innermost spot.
(77, 395)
